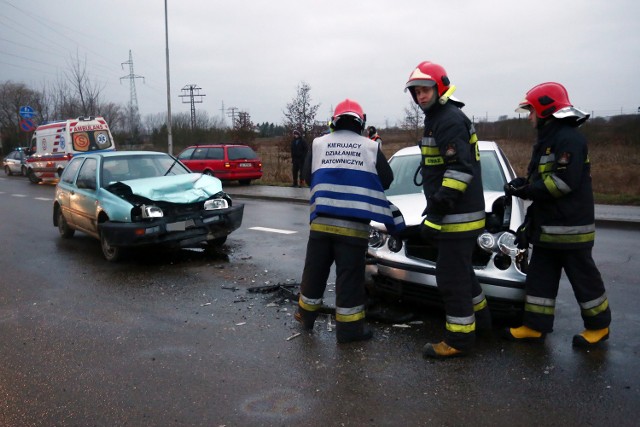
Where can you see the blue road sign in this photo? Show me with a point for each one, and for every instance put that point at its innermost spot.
(27, 112)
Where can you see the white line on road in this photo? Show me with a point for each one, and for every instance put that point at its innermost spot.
(19, 195)
(273, 230)
(44, 199)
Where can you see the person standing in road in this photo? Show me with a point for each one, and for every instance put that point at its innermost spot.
(348, 175)
(298, 154)
(560, 223)
(373, 134)
(455, 213)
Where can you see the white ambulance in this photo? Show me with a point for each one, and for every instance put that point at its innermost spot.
(55, 143)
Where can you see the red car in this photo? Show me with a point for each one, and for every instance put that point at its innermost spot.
(225, 162)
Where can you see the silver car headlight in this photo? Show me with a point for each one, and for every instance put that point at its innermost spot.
(507, 244)
(151, 211)
(487, 242)
(377, 238)
(213, 204)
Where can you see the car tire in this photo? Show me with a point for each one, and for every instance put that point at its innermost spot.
(7, 171)
(66, 232)
(32, 177)
(208, 172)
(244, 181)
(111, 253)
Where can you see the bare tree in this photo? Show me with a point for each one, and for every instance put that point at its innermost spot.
(87, 91)
(243, 128)
(12, 97)
(300, 113)
(413, 119)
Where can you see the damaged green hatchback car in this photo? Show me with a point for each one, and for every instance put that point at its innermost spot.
(130, 199)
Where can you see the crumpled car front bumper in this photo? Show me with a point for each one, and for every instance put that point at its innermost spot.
(176, 232)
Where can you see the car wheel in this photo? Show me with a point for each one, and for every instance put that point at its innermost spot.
(7, 171)
(111, 253)
(32, 177)
(244, 181)
(208, 172)
(66, 232)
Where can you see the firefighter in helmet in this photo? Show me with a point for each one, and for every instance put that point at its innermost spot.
(454, 215)
(560, 222)
(348, 175)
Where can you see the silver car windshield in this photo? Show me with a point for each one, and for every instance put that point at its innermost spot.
(406, 174)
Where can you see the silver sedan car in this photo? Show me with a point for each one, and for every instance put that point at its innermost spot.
(405, 269)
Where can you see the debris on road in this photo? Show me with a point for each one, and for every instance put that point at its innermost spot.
(297, 334)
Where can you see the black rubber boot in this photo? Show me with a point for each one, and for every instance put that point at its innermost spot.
(306, 318)
(352, 331)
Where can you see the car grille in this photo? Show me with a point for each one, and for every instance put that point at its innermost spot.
(418, 250)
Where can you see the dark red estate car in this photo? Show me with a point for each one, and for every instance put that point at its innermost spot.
(225, 162)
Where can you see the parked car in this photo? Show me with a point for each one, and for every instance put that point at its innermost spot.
(405, 269)
(226, 162)
(15, 163)
(130, 199)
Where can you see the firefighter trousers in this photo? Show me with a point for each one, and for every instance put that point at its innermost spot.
(348, 253)
(543, 280)
(463, 298)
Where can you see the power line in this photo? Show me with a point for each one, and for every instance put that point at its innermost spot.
(133, 97)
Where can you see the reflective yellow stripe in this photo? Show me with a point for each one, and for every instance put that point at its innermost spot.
(308, 307)
(532, 308)
(463, 226)
(432, 224)
(429, 151)
(465, 329)
(479, 306)
(552, 187)
(596, 310)
(568, 238)
(339, 230)
(350, 317)
(455, 184)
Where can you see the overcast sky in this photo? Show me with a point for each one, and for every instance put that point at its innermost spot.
(252, 54)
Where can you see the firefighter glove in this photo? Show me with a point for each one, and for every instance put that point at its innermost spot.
(430, 228)
(522, 235)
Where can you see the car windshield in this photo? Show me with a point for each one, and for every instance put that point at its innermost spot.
(405, 173)
(241, 153)
(122, 168)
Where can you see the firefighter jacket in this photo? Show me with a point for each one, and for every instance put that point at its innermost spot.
(348, 176)
(451, 173)
(559, 176)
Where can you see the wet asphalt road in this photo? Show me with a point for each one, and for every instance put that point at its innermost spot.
(176, 339)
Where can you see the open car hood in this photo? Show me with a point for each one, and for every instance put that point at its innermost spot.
(187, 188)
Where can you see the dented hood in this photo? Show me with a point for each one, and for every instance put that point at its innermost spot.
(187, 188)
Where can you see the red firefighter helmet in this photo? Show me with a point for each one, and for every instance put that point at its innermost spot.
(349, 107)
(550, 99)
(428, 74)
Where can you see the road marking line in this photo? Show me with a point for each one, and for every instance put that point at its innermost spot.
(44, 199)
(19, 195)
(273, 230)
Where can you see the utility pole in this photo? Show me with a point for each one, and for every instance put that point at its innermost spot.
(194, 96)
(222, 113)
(232, 113)
(166, 41)
(134, 117)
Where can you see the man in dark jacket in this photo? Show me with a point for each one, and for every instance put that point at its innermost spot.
(560, 222)
(298, 154)
(455, 213)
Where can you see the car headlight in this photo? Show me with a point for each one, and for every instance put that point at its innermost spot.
(376, 238)
(487, 242)
(151, 211)
(213, 204)
(507, 244)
